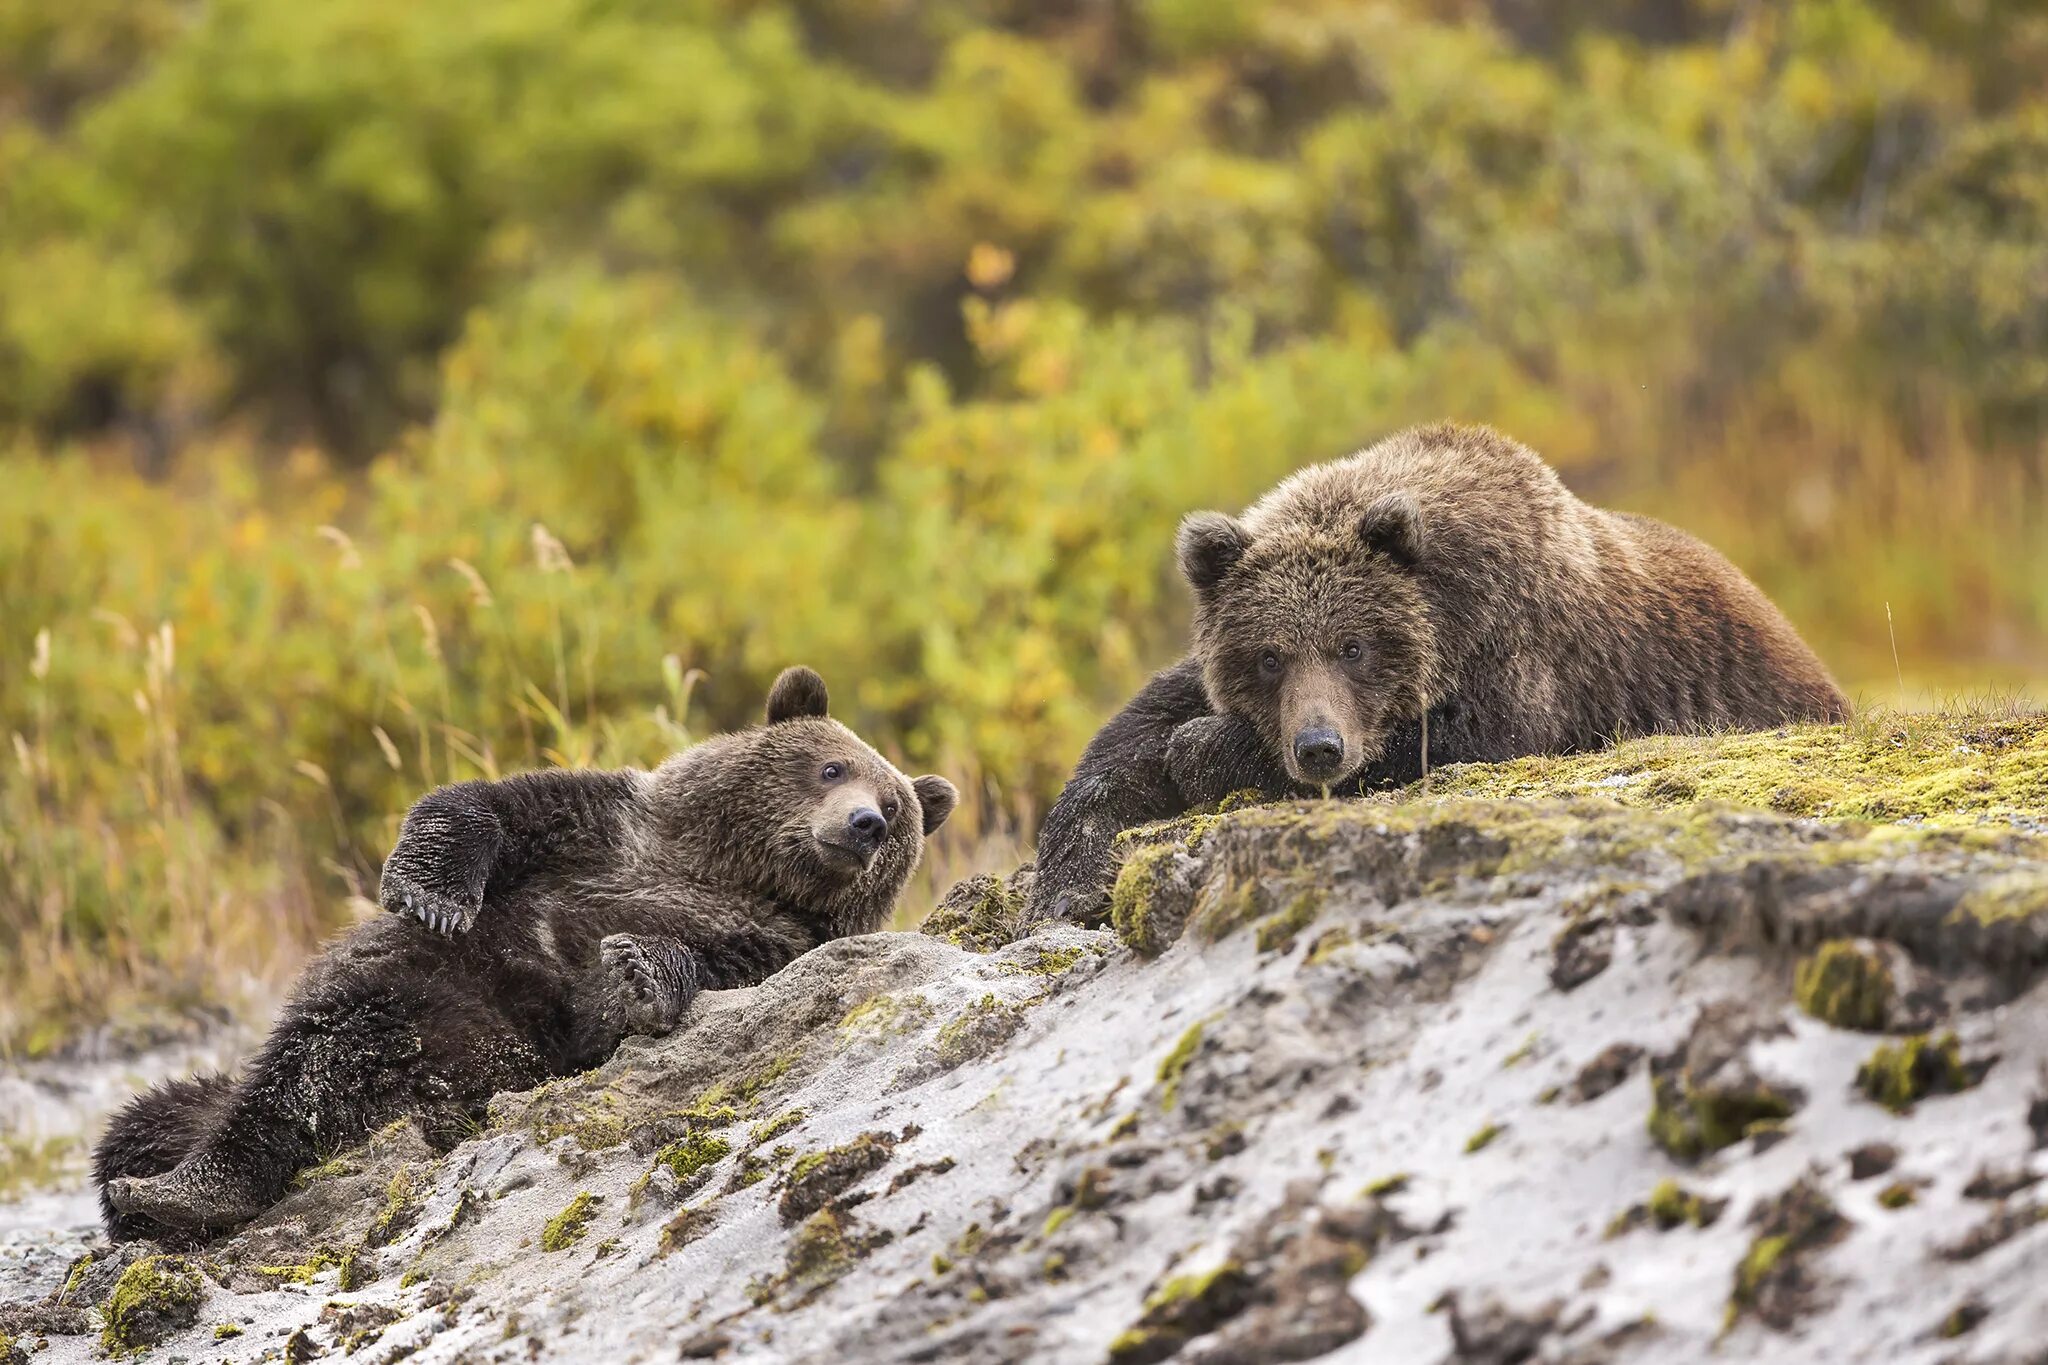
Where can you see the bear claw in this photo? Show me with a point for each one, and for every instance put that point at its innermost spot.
(437, 912)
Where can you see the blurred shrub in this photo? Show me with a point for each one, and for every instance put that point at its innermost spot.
(396, 393)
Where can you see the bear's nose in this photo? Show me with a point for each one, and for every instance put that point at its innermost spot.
(868, 827)
(1319, 751)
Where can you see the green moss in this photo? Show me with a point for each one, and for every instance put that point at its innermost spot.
(1132, 1344)
(884, 1016)
(566, 1228)
(2014, 896)
(1522, 1053)
(1184, 1307)
(224, 1332)
(690, 1155)
(1671, 1205)
(1184, 1288)
(818, 1177)
(413, 1275)
(820, 1251)
(595, 1130)
(326, 1170)
(1327, 945)
(1845, 984)
(1235, 905)
(1277, 932)
(976, 1031)
(304, 1272)
(1173, 1066)
(1898, 1195)
(1056, 1220)
(1689, 1123)
(1386, 1185)
(1124, 1127)
(153, 1298)
(401, 1207)
(981, 915)
(1944, 770)
(1756, 1265)
(1131, 899)
(1483, 1138)
(774, 1128)
(76, 1279)
(1049, 962)
(1788, 1226)
(1963, 1319)
(1898, 1075)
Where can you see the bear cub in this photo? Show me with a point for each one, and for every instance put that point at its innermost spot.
(538, 920)
(1440, 597)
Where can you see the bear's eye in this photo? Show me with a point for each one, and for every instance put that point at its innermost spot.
(1269, 662)
(833, 772)
(889, 809)
(1353, 650)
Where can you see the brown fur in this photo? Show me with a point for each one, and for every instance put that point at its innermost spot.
(1446, 572)
(537, 921)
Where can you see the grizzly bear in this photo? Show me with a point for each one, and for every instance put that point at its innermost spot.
(539, 920)
(1444, 585)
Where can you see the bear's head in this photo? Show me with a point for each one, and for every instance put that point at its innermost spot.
(1315, 629)
(799, 808)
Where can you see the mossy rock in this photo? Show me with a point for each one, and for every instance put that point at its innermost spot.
(688, 1157)
(1771, 1279)
(1846, 982)
(981, 913)
(1898, 1075)
(1181, 1309)
(1150, 900)
(976, 1031)
(155, 1297)
(1692, 1123)
(1174, 1065)
(814, 1180)
(568, 1227)
(1942, 770)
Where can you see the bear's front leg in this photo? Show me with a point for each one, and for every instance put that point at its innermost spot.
(1121, 781)
(648, 982)
(1211, 757)
(443, 859)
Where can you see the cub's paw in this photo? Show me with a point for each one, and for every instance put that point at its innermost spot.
(646, 998)
(440, 912)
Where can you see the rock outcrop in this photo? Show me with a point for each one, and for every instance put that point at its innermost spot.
(1737, 1042)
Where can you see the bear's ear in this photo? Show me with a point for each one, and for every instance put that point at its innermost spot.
(798, 692)
(937, 796)
(1393, 526)
(1208, 545)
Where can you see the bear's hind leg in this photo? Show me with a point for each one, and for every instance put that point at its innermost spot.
(649, 981)
(150, 1135)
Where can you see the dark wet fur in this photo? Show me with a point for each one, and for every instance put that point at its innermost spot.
(1482, 594)
(538, 920)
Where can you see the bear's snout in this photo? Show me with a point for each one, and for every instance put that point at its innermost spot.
(867, 828)
(1319, 753)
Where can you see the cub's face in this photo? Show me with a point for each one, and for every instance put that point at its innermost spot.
(806, 810)
(1320, 639)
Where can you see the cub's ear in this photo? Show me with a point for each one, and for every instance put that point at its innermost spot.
(937, 796)
(798, 692)
(1208, 545)
(1393, 526)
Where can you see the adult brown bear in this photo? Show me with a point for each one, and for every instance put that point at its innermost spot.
(1447, 576)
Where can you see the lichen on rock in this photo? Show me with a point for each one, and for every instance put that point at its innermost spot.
(154, 1297)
